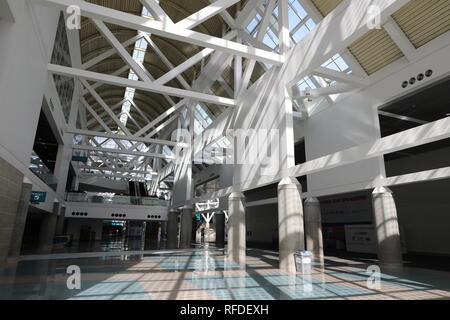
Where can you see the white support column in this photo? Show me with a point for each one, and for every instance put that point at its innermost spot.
(313, 229)
(400, 39)
(186, 227)
(237, 73)
(290, 223)
(387, 230)
(63, 160)
(206, 13)
(283, 23)
(220, 229)
(237, 229)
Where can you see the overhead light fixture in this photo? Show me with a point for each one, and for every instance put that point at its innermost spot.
(308, 94)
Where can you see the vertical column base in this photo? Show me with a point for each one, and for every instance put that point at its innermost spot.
(47, 231)
(313, 230)
(290, 223)
(237, 229)
(387, 230)
(172, 229)
(220, 230)
(186, 227)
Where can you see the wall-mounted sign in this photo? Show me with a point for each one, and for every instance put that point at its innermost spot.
(79, 159)
(349, 208)
(38, 196)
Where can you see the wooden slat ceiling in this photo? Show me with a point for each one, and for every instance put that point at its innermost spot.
(152, 104)
(375, 50)
(420, 20)
(326, 6)
(424, 20)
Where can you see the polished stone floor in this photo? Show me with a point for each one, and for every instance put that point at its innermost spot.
(206, 274)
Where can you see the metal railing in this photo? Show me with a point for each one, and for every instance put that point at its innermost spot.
(115, 199)
(38, 167)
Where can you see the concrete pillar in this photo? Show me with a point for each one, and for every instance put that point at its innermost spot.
(47, 230)
(19, 223)
(313, 229)
(63, 159)
(290, 222)
(11, 181)
(60, 222)
(163, 230)
(387, 229)
(172, 229)
(151, 230)
(186, 227)
(236, 228)
(220, 230)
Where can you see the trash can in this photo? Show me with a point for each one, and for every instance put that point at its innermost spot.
(303, 261)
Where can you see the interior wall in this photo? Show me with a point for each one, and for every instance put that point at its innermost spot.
(262, 226)
(23, 80)
(23, 77)
(424, 215)
(10, 192)
(419, 162)
(74, 227)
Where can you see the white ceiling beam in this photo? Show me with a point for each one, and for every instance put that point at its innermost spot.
(125, 152)
(148, 87)
(109, 53)
(311, 9)
(264, 24)
(244, 35)
(141, 113)
(164, 115)
(104, 175)
(121, 137)
(116, 170)
(122, 52)
(323, 91)
(175, 71)
(96, 85)
(162, 126)
(100, 121)
(354, 65)
(346, 24)
(166, 61)
(206, 13)
(400, 39)
(247, 13)
(284, 35)
(165, 30)
(340, 76)
(156, 11)
(229, 20)
(104, 113)
(103, 104)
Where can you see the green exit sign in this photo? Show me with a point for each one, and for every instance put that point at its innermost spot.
(38, 196)
(79, 159)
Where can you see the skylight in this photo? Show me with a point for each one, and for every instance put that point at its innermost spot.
(300, 24)
(140, 48)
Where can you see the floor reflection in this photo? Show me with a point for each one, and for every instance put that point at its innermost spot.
(206, 273)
